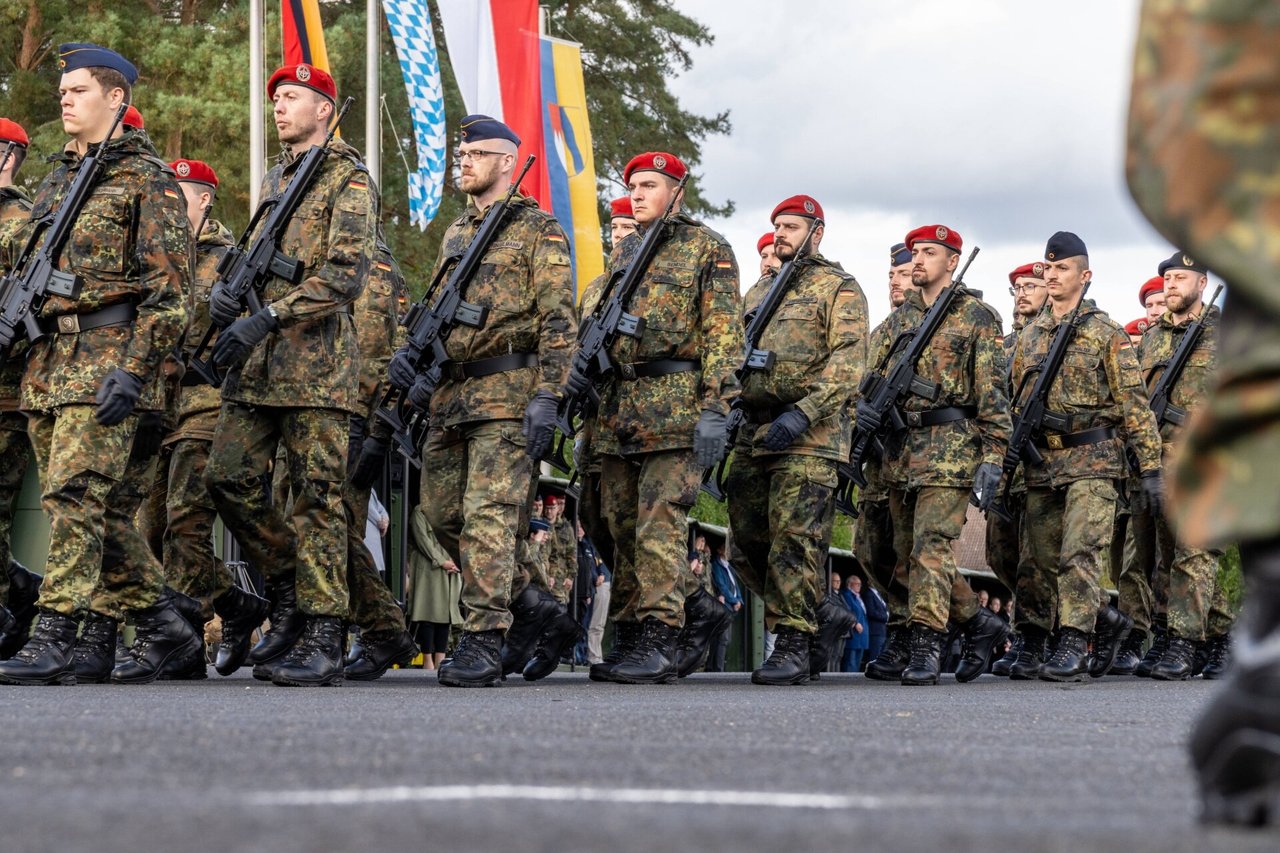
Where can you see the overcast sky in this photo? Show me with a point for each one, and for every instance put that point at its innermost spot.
(1002, 120)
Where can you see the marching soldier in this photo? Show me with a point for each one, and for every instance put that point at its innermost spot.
(88, 379)
(781, 485)
(293, 382)
(1070, 502)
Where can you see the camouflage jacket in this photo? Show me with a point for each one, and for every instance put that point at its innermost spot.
(964, 360)
(873, 467)
(1100, 385)
(689, 300)
(1010, 343)
(377, 325)
(1192, 388)
(312, 360)
(526, 281)
(15, 208)
(587, 455)
(818, 337)
(202, 399)
(561, 551)
(130, 244)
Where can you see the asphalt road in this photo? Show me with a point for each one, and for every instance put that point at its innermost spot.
(712, 763)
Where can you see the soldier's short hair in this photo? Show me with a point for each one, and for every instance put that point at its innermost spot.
(16, 157)
(109, 79)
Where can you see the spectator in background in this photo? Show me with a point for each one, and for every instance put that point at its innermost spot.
(836, 662)
(374, 529)
(435, 592)
(997, 607)
(859, 637)
(724, 584)
(537, 508)
(982, 598)
(602, 582)
(877, 623)
(584, 590)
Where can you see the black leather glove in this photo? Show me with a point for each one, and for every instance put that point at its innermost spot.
(709, 438)
(539, 425)
(149, 437)
(368, 465)
(576, 385)
(420, 393)
(401, 370)
(117, 396)
(986, 485)
(235, 341)
(1152, 492)
(786, 429)
(868, 420)
(223, 308)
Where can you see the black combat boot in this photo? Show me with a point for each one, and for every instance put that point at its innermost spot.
(704, 618)
(316, 659)
(893, 658)
(834, 621)
(1219, 657)
(1177, 661)
(191, 669)
(625, 637)
(46, 656)
(1235, 744)
(531, 610)
(287, 624)
(355, 647)
(558, 638)
(1003, 666)
(1109, 633)
(476, 661)
(24, 589)
(653, 660)
(1070, 660)
(982, 634)
(1158, 643)
(162, 636)
(8, 630)
(241, 613)
(93, 657)
(1031, 656)
(378, 654)
(1130, 654)
(926, 655)
(789, 663)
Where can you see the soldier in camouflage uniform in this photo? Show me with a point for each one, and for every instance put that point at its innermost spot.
(293, 383)
(662, 417)
(478, 476)
(951, 445)
(1070, 509)
(561, 550)
(781, 485)
(99, 366)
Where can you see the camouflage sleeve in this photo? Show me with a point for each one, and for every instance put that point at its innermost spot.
(339, 277)
(989, 388)
(162, 248)
(847, 345)
(1124, 375)
(722, 337)
(553, 280)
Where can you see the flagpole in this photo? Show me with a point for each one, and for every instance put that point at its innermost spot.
(257, 147)
(372, 130)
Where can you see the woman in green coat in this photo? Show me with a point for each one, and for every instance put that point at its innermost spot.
(437, 588)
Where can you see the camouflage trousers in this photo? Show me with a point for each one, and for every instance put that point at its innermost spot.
(190, 564)
(873, 546)
(311, 543)
(15, 453)
(92, 484)
(1065, 549)
(477, 486)
(781, 509)
(645, 501)
(1002, 542)
(153, 515)
(926, 523)
(593, 524)
(373, 607)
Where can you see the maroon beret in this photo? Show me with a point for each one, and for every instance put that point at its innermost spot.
(1137, 327)
(765, 240)
(620, 208)
(655, 161)
(798, 205)
(11, 131)
(133, 118)
(195, 172)
(302, 74)
(1153, 285)
(940, 234)
(1033, 270)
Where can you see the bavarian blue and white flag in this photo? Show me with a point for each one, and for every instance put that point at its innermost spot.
(410, 23)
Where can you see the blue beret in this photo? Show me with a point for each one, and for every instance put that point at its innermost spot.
(477, 128)
(74, 55)
(536, 524)
(1063, 245)
(1181, 261)
(899, 254)
(694, 555)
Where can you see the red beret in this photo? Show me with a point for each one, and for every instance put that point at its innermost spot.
(940, 234)
(133, 118)
(1154, 284)
(552, 500)
(11, 131)
(1035, 270)
(765, 240)
(195, 172)
(1137, 327)
(798, 205)
(620, 208)
(655, 161)
(302, 74)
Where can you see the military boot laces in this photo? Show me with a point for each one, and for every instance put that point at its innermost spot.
(982, 635)
(625, 636)
(476, 662)
(652, 660)
(93, 657)
(1110, 631)
(316, 659)
(241, 612)
(1004, 666)
(1149, 661)
(926, 656)
(893, 658)
(789, 663)
(162, 637)
(1030, 656)
(287, 624)
(1219, 657)
(1130, 654)
(8, 629)
(1070, 658)
(1177, 661)
(380, 654)
(46, 656)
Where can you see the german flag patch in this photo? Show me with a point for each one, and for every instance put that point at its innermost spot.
(358, 184)
(724, 265)
(555, 238)
(171, 194)
(384, 266)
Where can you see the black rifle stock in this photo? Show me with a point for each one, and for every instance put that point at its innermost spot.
(756, 359)
(1161, 392)
(35, 274)
(244, 269)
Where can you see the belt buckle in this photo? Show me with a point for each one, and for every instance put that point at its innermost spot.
(628, 371)
(914, 419)
(69, 324)
(1054, 442)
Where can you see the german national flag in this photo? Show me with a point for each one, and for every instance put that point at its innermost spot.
(302, 35)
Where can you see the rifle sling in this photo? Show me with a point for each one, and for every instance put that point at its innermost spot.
(660, 367)
(934, 417)
(112, 315)
(462, 370)
(1061, 441)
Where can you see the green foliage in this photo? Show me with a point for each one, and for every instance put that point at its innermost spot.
(1230, 578)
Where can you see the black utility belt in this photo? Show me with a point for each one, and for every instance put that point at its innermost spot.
(112, 315)
(769, 414)
(934, 417)
(661, 367)
(1066, 441)
(459, 371)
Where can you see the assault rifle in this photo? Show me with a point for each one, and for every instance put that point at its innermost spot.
(882, 393)
(246, 267)
(756, 360)
(1165, 411)
(35, 274)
